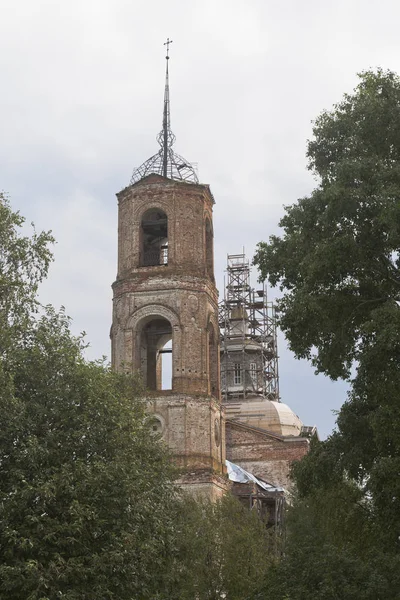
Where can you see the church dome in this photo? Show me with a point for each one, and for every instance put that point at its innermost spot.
(266, 414)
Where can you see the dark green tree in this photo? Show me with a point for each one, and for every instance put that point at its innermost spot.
(87, 500)
(337, 261)
(224, 551)
(86, 494)
(324, 561)
(337, 264)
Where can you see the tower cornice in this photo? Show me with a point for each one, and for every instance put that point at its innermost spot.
(156, 179)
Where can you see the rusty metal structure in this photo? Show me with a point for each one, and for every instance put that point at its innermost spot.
(166, 162)
(249, 352)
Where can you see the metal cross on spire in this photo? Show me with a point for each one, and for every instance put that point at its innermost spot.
(167, 43)
(166, 162)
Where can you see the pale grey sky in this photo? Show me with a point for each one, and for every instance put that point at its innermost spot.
(81, 104)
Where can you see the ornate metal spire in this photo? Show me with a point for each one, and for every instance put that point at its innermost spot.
(166, 162)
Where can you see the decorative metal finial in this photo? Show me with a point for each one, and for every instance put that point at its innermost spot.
(166, 162)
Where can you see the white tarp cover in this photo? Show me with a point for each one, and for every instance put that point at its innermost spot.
(239, 475)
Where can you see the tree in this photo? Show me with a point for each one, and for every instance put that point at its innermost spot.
(321, 561)
(224, 551)
(24, 263)
(337, 265)
(87, 500)
(86, 494)
(338, 260)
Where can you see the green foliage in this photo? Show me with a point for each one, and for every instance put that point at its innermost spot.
(336, 548)
(24, 262)
(87, 502)
(337, 265)
(225, 551)
(324, 564)
(338, 259)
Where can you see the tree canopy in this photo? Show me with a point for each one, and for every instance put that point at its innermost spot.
(337, 261)
(87, 497)
(86, 494)
(24, 263)
(225, 551)
(337, 265)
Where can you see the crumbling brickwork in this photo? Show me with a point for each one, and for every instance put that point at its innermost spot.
(165, 290)
(263, 453)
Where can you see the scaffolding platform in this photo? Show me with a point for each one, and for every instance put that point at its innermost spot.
(249, 359)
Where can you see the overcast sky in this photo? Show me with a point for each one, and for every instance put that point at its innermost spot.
(81, 103)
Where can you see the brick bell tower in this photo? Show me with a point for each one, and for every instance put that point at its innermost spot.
(165, 309)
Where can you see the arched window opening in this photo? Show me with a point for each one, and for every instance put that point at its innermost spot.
(154, 238)
(156, 354)
(209, 248)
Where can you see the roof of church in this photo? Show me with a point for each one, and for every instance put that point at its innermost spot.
(166, 162)
(266, 433)
(267, 415)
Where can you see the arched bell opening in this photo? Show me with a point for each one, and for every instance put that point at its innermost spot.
(154, 238)
(156, 351)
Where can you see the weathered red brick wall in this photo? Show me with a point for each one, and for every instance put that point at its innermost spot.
(264, 454)
(183, 293)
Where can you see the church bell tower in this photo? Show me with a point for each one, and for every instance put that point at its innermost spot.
(165, 311)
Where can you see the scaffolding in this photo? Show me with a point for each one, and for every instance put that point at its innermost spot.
(249, 358)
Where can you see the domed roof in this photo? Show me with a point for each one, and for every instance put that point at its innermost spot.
(266, 414)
